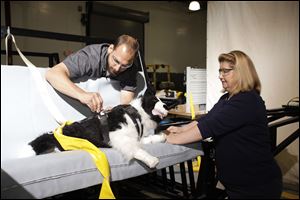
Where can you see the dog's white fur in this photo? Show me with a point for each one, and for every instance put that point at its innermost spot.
(130, 145)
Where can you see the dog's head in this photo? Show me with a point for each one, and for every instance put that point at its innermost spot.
(153, 106)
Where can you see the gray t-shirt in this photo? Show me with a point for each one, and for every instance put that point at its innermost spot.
(90, 62)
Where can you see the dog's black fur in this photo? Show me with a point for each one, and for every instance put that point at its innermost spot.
(90, 128)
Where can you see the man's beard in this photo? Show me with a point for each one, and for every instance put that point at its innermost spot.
(111, 73)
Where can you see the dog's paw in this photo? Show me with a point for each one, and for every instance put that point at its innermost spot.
(146, 158)
(153, 162)
(146, 140)
(160, 138)
(163, 137)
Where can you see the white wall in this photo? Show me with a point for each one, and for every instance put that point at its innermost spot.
(268, 31)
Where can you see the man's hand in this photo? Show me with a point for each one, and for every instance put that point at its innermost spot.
(93, 100)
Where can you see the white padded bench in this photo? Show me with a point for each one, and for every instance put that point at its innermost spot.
(24, 117)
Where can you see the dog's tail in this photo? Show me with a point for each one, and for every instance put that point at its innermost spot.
(45, 143)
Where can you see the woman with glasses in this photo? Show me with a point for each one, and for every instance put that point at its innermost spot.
(238, 124)
(115, 61)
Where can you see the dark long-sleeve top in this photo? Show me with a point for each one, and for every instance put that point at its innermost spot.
(240, 131)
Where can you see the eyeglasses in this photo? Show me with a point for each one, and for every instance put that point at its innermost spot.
(119, 63)
(224, 71)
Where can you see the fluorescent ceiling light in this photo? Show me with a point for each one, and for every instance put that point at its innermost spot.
(194, 5)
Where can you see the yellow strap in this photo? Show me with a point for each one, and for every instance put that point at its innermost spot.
(72, 143)
(196, 164)
(192, 108)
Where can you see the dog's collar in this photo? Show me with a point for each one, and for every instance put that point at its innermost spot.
(136, 118)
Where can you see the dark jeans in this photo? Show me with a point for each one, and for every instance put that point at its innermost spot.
(270, 190)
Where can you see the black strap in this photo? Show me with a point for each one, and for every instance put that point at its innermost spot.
(104, 127)
(150, 87)
(134, 115)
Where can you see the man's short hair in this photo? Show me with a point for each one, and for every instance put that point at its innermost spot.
(129, 41)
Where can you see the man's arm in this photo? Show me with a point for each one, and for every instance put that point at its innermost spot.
(126, 96)
(58, 77)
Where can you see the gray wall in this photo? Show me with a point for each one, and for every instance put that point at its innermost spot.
(54, 16)
(173, 35)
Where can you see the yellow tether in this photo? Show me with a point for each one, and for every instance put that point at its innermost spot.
(196, 164)
(192, 108)
(72, 143)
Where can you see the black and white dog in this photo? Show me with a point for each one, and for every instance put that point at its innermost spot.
(124, 127)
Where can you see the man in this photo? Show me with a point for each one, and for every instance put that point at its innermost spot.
(94, 61)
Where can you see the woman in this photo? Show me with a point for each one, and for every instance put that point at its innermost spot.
(238, 124)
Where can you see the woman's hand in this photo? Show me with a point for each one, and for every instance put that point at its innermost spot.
(183, 134)
(173, 130)
(171, 134)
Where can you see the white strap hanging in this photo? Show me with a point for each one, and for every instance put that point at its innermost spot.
(40, 82)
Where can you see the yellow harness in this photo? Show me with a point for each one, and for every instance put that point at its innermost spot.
(72, 143)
